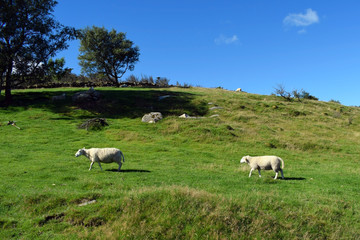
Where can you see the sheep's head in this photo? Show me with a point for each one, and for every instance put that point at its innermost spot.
(80, 152)
(244, 159)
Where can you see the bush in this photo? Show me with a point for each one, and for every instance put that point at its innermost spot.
(296, 94)
(94, 124)
(280, 91)
(145, 80)
(132, 79)
(185, 85)
(162, 82)
(306, 95)
(335, 101)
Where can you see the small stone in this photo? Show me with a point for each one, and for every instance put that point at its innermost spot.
(87, 203)
(214, 108)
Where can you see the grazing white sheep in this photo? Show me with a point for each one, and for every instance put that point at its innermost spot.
(238, 90)
(104, 155)
(59, 97)
(264, 163)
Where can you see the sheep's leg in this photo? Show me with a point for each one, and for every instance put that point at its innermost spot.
(276, 175)
(251, 172)
(259, 172)
(119, 166)
(100, 166)
(91, 164)
(282, 174)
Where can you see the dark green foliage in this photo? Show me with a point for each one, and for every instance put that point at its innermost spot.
(106, 52)
(94, 124)
(29, 36)
(56, 70)
(306, 95)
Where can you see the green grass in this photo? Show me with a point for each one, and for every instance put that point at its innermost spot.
(181, 178)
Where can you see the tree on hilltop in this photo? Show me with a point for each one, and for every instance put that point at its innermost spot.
(108, 53)
(29, 37)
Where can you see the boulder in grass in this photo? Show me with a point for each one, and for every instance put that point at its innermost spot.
(87, 96)
(152, 117)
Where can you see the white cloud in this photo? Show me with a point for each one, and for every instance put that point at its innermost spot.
(301, 20)
(302, 31)
(226, 40)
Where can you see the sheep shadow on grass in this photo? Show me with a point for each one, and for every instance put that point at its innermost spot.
(129, 170)
(293, 178)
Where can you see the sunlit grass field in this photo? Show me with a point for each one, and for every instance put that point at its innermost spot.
(181, 178)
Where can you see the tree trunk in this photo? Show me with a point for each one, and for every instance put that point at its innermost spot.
(1, 82)
(116, 81)
(8, 96)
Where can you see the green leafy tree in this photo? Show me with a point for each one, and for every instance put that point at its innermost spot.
(29, 36)
(108, 53)
(56, 69)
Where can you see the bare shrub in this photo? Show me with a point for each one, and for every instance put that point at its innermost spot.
(162, 82)
(132, 79)
(280, 91)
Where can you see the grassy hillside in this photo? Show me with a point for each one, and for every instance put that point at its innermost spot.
(181, 178)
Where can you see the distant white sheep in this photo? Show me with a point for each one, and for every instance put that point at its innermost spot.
(238, 90)
(59, 97)
(104, 155)
(264, 163)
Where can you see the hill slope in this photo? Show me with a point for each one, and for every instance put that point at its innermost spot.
(182, 177)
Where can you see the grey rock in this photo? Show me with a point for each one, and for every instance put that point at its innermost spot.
(85, 96)
(152, 117)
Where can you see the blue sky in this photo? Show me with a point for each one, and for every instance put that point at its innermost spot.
(254, 45)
